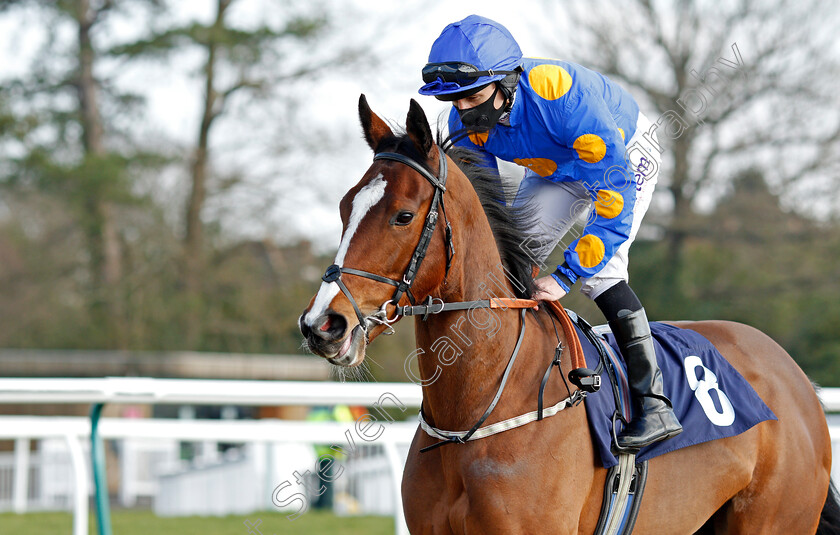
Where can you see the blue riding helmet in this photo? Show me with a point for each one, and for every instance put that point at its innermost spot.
(468, 55)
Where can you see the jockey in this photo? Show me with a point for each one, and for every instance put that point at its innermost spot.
(587, 153)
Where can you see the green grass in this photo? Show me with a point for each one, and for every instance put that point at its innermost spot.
(145, 523)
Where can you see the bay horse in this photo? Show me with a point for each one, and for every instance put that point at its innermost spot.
(543, 477)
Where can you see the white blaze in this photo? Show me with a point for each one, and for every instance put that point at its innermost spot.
(366, 199)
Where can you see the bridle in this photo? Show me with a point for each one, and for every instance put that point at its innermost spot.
(437, 306)
(380, 317)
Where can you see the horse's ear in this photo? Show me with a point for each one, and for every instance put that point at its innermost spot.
(418, 128)
(374, 128)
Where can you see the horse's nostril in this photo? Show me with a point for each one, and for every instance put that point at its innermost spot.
(334, 326)
(329, 327)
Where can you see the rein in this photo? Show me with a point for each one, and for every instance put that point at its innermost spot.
(435, 305)
(477, 432)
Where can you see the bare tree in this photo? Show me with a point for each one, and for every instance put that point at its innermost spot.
(105, 242)
(746, 83)
(239, 62)
(68, 141)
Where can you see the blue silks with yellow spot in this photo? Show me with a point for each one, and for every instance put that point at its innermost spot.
(569, 123)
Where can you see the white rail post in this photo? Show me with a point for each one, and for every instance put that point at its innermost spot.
(21, 488)
(396, 463)
(80, 498)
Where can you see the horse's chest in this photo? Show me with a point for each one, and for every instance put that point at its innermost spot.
(486, 495)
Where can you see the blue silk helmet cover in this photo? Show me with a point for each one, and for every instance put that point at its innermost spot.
(476, 40)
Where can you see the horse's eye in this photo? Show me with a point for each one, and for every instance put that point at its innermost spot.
(403, 218)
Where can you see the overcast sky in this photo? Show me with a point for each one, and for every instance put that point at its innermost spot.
(293, 193)
(306, 196)
(388, 89)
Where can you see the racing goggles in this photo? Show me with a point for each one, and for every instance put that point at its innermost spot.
(456, 74)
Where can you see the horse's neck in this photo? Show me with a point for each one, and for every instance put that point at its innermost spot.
(465, 353)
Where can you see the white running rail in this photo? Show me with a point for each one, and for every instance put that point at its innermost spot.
(76, 431)
(214, 392)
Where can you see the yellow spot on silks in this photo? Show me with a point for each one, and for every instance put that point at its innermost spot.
(590, 148)
(590, 251)
(609, 203)
(542, 166)
(550, 81)
(620, 131)
(479, 138)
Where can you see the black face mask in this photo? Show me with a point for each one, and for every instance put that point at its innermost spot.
(483, 117)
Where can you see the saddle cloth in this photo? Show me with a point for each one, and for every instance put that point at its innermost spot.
(710, 398)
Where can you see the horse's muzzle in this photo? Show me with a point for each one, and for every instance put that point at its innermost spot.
(327, 337)
(326, 328)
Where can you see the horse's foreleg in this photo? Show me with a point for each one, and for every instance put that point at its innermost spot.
(423, 492)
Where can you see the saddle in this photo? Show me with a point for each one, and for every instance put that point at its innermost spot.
(710, 397)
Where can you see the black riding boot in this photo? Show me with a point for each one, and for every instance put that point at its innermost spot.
(657, 420)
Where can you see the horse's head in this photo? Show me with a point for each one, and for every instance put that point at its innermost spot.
(390, 226)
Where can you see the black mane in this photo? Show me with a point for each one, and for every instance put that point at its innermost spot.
(507, 222)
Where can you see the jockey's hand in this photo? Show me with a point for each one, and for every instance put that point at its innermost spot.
(548, 289)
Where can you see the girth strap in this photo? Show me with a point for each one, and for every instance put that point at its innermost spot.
(623, 491)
